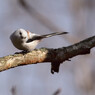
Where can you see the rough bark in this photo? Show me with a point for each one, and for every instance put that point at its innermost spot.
(54, 56)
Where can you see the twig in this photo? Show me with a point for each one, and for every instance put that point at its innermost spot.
(57, 92)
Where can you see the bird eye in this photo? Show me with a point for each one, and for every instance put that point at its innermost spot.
(21, 36)
(20, 33)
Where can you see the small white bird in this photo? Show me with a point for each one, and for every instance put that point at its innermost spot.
(27, 41)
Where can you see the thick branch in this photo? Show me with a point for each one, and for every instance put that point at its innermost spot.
(47, 55)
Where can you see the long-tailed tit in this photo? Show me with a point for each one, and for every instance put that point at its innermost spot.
(27, 41)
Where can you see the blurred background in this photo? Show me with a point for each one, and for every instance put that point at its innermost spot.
(76, 77)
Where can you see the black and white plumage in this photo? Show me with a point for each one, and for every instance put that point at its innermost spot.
(27, 41)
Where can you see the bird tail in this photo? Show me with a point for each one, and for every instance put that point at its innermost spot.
(53, 34)
(38, 37)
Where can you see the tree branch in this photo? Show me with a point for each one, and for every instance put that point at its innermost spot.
(55, 56)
